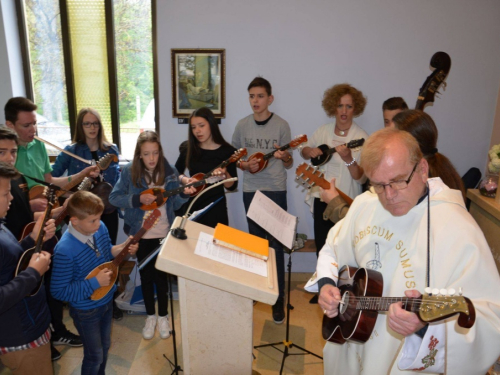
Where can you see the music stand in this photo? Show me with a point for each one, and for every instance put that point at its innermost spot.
(287, 343)
(175, 366)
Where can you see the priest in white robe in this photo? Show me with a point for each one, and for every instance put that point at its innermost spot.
(405, 225)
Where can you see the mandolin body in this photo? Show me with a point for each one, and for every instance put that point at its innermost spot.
(323, 158)
(262, 162)
(103, 290)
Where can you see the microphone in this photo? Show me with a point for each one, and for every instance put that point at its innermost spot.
(180, 232)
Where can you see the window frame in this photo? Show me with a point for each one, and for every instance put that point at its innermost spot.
(68, 64)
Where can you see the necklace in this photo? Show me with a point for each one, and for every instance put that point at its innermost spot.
(342, 132)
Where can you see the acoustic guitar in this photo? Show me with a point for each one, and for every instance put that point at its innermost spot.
(162, 195)
(238, 154)
(441, 61)
(264, 158)
(361, 291)
(114, 265)
(26, 256)
(311, 176)
(102, 164)
(329, 151)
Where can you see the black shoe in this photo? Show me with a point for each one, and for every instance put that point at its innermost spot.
(117, 313)
(68, 338)
(54, 353)
(279, 311)
(314, 300)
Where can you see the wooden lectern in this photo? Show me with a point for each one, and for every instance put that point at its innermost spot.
(216, 305)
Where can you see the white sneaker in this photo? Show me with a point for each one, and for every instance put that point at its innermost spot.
(148, 331)
(164, 327)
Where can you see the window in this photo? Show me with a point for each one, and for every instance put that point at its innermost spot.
(91, 53)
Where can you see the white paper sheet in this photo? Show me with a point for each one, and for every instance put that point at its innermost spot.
(206, 248)
(273, 218)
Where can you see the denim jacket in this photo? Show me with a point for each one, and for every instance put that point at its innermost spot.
(127, 196)
(65, 162)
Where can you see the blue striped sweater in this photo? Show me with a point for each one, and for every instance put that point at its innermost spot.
(73, 260)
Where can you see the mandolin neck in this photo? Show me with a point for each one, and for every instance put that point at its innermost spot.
(180, 189)
(122, 254)
(269, 155)
(39, 239)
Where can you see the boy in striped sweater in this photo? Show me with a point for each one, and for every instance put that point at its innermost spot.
(84, 246)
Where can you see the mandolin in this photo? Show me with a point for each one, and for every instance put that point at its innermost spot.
(311, 176)
(26, 256)
(361, 291)
(102, 164)
(86, 185)
(149, 221)
(264, 159)
(329, 151)
(162, 194)
(441, 61)
(238, 154)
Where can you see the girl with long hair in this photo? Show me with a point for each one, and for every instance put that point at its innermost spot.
(206, 149)
(90, 143)
(149, 169)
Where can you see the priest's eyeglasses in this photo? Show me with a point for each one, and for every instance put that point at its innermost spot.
(396, 185)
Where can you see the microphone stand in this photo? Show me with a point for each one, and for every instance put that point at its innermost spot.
(180, 232)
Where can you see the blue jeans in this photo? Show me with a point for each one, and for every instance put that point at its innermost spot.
(278, 197)
(94, 327)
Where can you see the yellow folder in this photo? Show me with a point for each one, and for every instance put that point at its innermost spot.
(243, 242)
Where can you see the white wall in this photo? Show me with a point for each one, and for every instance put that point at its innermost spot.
(382, 47)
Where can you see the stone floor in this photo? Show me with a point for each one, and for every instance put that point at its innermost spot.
(130, 354)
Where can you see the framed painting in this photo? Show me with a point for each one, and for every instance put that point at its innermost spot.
(198, 80)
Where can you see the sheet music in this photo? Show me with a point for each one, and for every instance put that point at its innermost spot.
(273, 218)
(206, 248)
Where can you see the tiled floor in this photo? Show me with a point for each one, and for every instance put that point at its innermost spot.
(130, 354)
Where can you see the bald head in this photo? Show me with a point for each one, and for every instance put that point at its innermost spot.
(393, 162)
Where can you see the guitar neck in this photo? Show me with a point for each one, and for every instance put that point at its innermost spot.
(169, 193)
(269, 155)
(224, 164)
(62, 215)
(122, 254)
(383, 303)
(39, 239)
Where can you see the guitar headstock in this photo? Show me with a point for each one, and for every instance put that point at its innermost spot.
(106, 160)
(356, 143)
(151, 218)
(298, 140)
(438, 307)
(238, 154)
(441, 61)
(310, 176)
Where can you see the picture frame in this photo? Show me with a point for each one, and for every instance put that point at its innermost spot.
(198, 80)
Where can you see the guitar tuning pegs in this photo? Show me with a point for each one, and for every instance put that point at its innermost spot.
(443, 292)
(451, 292)
(428, 291)
(435, 292)
(460, 291)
